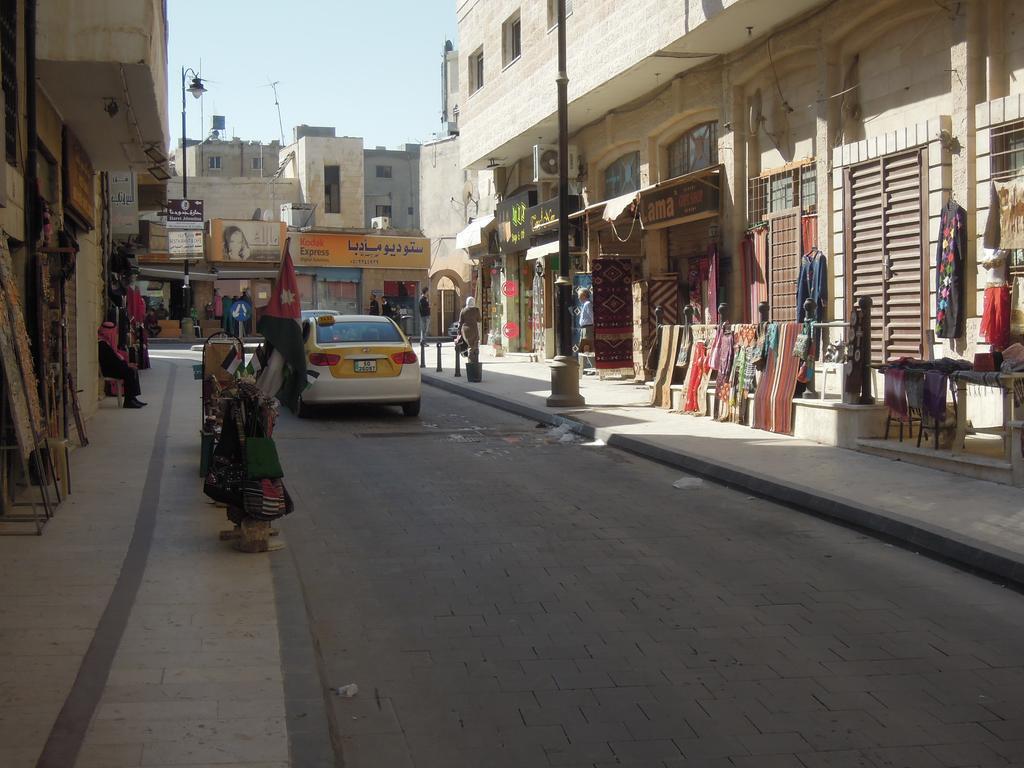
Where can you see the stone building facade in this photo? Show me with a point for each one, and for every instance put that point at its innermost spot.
(792, 102)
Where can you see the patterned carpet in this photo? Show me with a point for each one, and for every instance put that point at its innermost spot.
(613, 313)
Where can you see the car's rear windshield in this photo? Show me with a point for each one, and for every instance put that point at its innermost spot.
(357, 331)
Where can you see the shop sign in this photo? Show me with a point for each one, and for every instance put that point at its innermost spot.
(367, 251)
(185, 243)
(509, 288)
(79, 193)
(511, 214)
(510, 330)
(124, 204)
(689, 199)
(546, 213)
(249, 240)
(184, 213)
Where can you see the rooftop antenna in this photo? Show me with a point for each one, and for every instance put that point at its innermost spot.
(277, 103)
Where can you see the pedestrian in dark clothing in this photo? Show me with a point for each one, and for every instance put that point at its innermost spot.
(374, 306)
(424, 313)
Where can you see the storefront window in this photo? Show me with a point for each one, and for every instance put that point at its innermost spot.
(694, 150)
(622, 176)
(1006, 163)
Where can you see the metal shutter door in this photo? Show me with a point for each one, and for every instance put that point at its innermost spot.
(885, 251)
(783, 263)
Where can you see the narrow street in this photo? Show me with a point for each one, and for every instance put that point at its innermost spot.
(502, 597)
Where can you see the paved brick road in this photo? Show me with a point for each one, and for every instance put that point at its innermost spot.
(504, 600)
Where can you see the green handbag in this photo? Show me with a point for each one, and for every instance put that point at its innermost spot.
(261, 462)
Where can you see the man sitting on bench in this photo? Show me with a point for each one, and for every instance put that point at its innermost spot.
(113, 366)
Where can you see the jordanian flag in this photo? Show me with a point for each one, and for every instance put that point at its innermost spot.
(284, 375)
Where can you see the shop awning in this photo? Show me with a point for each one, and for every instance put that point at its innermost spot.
(473, 235)
(547, 249)
(612, 209)
(174, 271)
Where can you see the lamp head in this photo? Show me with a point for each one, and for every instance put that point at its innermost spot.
(197, 88)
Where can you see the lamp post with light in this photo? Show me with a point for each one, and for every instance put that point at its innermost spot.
(565, 381)
(197, 89)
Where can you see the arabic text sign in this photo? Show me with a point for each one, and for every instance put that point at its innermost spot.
(185, 243)
(124, 203)
(184, 213)
(369, 251)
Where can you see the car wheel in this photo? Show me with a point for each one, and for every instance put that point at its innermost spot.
(411, 409)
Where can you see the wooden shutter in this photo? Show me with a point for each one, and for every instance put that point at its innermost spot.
(783, 263)
(886, 246)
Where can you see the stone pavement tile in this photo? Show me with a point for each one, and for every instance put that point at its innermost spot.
(107, 732)
(1011, 750)
(19, 757)
(967, 754)
(766, 761)
(358, 716)
(156, 710)
(230, 748)
(645, 749)
(372, 750)
(109, 756)
(709, 747)
(234, 709)
(584, 753)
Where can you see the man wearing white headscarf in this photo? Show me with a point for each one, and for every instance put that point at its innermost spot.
(469, 328)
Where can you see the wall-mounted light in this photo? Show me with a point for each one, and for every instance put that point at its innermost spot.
(154, 153)
(159, 173)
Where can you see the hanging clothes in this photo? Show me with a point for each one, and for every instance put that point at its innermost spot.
(712, 284)
(755, 260)
(949, 277)
(812, 284)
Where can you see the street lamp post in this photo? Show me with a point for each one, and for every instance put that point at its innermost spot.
(565, 382)
(197, 89)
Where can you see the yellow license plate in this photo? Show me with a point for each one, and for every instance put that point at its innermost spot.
(365, 366)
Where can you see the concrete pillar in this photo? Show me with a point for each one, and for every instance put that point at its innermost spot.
(826, 128)
(996, 72)
(732, 145)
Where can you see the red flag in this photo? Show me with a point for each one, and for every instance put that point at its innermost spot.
(285, 302)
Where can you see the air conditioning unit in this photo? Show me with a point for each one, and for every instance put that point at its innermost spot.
(297, 215)
(450, 128)
(545, 162)
(380, 222)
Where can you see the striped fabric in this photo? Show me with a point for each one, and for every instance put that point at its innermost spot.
(773, 403)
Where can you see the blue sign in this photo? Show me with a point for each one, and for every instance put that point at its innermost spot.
(241, 311)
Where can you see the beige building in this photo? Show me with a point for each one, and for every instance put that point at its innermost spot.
(329, 170)
(456, 207)
(844, 125)
(100, 105)
(235, 158)
(97, 88)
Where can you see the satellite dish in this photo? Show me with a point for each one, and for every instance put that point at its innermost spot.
(549, 161)
(257, 215)
(467, 191)
(756, 116)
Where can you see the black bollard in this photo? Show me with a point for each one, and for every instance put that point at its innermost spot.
(458, 372)
(439, 357)
(423, 352)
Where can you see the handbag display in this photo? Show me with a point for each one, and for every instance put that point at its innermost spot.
(261, 461)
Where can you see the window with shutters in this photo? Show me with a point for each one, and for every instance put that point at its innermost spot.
(1007, 162)
(887, 250)
(780, 198)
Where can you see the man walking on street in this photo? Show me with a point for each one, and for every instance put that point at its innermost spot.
(424, 313)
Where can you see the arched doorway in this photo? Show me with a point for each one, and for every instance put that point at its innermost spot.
(449, 303)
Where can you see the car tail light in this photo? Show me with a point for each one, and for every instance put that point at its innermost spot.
(405, 358)
(319, 358)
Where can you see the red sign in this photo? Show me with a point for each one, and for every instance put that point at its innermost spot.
(509, 287)
(511, 330)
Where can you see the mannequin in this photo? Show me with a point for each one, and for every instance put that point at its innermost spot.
(995, 319)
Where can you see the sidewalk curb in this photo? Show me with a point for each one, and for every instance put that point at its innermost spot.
(995, 562)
